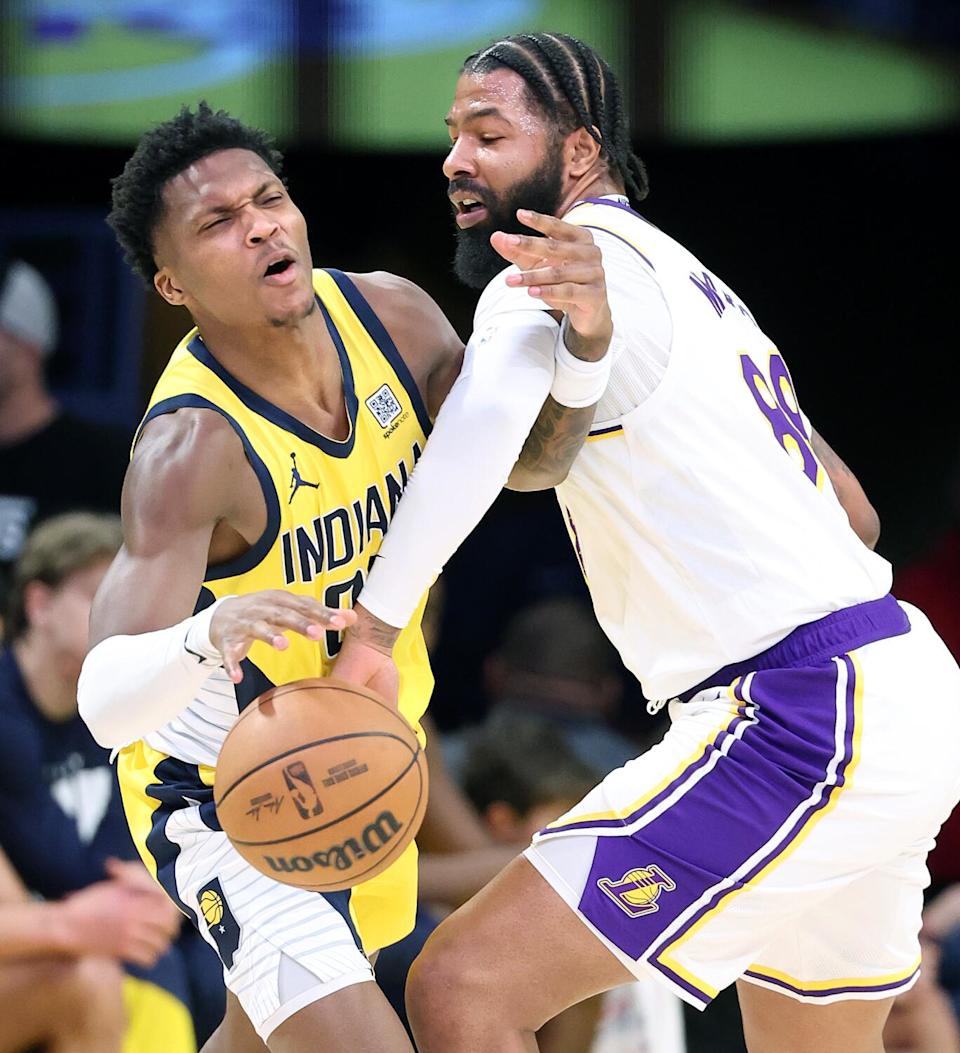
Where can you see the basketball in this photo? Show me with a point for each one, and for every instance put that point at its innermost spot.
(321, 784)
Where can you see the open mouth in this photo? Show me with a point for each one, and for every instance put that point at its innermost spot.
(468, 210)
(281, 271)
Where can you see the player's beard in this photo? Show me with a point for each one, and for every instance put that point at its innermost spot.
(476, 261)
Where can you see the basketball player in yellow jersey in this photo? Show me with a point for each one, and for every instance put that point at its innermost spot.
(264, 475)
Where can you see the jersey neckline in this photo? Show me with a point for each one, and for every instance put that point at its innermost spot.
(266, 409)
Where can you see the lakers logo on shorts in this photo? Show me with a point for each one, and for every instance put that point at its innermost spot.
(637, 892)
(221, 924)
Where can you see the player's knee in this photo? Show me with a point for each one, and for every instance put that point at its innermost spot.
(444, 978)
(91, 995)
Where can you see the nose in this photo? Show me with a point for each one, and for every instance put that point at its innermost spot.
(260, 226)
(460, 161)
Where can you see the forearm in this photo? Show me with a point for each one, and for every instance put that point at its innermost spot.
(451, 823)
(132, 685)
(555, 440)
(33, 929)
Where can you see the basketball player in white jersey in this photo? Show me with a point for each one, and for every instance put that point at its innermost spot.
(777, 835)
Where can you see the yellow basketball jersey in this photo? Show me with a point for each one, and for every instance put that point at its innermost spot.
(329, 504)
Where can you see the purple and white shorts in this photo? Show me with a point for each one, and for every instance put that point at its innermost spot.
(779, 831)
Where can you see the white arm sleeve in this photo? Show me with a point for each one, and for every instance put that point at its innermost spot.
(507, 371)
(132, 685)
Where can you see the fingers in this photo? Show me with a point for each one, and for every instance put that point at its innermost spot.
(588, 275)
(266, 617)
(525, 250)
(553, 227)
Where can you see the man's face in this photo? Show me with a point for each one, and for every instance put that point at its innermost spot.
(232, 246)
(505, 155)
(60, 615)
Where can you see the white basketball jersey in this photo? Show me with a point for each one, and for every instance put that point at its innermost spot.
(706, 528)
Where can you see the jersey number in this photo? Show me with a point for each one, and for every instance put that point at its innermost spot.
(777, 401)
(332, 598)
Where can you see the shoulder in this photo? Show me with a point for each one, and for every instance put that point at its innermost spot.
(425, 339)
(185, 466)
(403, 307)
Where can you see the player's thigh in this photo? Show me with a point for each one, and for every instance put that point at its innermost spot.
(235, 1034)
(775, 1023)
(355, 1019)
(515, 949)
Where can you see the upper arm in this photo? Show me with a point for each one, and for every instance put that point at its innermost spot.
(427, 342)
(182, 481)
(862, 515)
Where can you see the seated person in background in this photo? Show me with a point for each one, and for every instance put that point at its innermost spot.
(51, 461)
(520, 773)
(555, 661)
(61, 983)
(61, 818)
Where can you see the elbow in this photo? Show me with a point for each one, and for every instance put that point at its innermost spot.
(866, 524)
(527, 480)
(93, 711)
(870, 528)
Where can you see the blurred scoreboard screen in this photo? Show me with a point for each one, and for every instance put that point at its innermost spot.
(357, 73)
(104, 70)
(394, 63)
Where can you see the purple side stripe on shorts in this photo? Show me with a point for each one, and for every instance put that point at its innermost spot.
(826, 992)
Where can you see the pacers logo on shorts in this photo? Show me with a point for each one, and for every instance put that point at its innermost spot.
(637, 892)
(221, 924)
(302, 790)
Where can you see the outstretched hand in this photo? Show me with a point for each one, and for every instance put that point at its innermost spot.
(563, 268)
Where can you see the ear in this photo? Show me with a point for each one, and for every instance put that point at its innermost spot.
(502, 821)
(166, 284)
(37, 598)
(581, 152)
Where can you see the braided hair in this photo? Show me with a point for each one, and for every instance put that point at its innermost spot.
(570, 83)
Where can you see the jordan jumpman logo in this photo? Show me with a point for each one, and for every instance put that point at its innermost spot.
(296, 480)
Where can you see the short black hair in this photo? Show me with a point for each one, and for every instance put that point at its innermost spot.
(524, 761)
(573, 86)
(162, 153)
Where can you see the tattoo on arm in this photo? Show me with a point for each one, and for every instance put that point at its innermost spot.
(553, 443)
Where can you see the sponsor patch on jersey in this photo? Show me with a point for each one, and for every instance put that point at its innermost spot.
(384, 405)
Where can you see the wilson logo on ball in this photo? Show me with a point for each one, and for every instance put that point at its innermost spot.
(342, 856)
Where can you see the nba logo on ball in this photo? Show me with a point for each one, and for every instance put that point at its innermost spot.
(221, 924)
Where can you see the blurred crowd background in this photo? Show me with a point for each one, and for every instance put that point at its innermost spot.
(803, 149)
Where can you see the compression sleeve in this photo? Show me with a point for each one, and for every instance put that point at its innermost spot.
(508, 368)
(132, 685)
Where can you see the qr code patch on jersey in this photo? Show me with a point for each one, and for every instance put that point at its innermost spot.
(384, 406)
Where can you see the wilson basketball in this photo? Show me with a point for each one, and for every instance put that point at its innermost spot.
(320, 784)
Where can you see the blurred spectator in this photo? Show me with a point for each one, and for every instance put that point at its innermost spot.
(61, 817)
(923, 1020)
(50, 460)
(521, 773)
(555, 663)
(60, 984)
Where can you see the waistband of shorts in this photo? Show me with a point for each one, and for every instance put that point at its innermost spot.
(818, 641)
